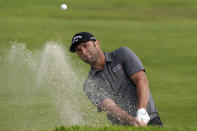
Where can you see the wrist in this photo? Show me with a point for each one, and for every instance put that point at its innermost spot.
(131, 120)
(141, 106)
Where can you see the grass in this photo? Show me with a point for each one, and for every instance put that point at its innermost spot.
(162, 33)
(118, 128)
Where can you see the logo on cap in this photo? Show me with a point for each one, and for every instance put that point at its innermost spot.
(76, 38)
(92, 38)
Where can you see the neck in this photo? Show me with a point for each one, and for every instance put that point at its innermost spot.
(99, 64)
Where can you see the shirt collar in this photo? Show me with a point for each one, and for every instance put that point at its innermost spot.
(107, 59)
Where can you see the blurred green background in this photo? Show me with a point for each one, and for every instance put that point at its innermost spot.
(161, 32)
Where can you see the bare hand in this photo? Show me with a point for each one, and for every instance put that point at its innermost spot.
(136, 122)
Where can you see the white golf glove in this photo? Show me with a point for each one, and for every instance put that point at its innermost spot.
(142, 115)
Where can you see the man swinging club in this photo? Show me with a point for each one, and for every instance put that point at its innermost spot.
(116, 83)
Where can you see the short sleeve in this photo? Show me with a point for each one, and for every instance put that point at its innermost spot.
(130, 61)
(94, 92)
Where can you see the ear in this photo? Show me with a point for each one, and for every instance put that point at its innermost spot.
(97, 43)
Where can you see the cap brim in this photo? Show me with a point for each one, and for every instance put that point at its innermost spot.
(73, 46)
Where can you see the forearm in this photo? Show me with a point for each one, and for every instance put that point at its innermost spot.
(114, 110)
(142, 89)
(142, 93)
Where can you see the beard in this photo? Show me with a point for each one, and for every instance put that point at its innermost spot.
(90, 58)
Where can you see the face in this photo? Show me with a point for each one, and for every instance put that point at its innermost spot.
(88, 51)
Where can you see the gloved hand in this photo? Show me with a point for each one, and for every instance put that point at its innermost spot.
(142, 115)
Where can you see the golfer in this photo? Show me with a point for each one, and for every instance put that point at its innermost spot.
(116, 83)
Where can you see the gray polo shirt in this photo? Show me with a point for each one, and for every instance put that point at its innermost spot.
(114, 82)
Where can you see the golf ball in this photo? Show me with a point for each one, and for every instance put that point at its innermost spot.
(64, 7)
